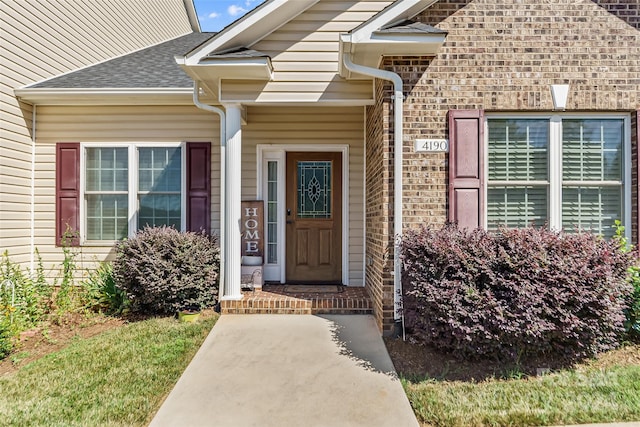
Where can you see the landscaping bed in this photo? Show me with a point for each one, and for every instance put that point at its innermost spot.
(519, 327)
(47, 338)
(446, 391)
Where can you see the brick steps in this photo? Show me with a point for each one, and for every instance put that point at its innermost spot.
(273, 300)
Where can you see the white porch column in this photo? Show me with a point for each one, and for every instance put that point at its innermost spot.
(232, 191)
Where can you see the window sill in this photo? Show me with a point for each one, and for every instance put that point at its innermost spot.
(98, 243)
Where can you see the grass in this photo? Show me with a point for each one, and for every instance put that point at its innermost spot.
(118, 378)
(590, 393)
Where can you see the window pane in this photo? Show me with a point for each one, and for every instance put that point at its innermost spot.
(518, 149)
(272, 212)
(158, 210)
(160, 177)
(591, 208)
(106, 216)
(314, 189)
(592, 149)
(516, 206)
(159, 169)
(107, 169)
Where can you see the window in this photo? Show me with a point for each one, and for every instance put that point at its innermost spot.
(272, 212)
(159, 185)
(106, 193)
(127, 187)
(567, 172)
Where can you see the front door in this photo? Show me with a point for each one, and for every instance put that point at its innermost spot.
(314, 218)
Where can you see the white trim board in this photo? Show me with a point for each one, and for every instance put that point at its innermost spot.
(278, 152)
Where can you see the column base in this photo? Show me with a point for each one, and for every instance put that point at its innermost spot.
(231, 297)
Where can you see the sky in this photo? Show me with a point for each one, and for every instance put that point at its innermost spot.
(214, 15)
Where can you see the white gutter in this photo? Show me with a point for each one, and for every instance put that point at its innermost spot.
(32, 231)
(223, 144)
(397, 173)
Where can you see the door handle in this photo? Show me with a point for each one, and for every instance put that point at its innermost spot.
(289, 222)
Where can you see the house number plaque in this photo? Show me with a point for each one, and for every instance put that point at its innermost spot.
(432, 145)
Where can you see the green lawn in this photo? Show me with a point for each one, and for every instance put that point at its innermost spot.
(591, 393)
(118, 378)
(121, 377)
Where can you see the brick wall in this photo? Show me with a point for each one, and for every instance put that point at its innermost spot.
(500, 55)
(379, 215)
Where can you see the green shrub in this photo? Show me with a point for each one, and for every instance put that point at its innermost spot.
(29, 295)
(632, 311)
(515, 293)
(163, 270)
(104, 295)
(6, 338)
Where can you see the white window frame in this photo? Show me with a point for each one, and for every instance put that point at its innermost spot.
(278, 153)
(132, 220)
(555, 161)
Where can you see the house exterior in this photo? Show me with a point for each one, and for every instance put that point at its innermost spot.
(350, 121)
(47, 38)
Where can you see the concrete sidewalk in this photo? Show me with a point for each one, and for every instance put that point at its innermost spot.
(288, 370)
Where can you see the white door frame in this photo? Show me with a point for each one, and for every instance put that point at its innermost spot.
(278, 152)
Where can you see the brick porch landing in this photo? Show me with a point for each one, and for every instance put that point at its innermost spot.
(273, 299)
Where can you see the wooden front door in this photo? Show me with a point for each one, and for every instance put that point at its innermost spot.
(314, 218)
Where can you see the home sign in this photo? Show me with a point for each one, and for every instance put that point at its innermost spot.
(252, 228)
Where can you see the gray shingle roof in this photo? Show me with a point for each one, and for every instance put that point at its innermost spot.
(411, 27)
(153, 67)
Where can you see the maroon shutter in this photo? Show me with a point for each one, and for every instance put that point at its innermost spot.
(466, 168)
(67, 191)
(199, 186)
(636, 147)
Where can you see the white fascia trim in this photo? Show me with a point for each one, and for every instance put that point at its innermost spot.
(109, 96)
(396, 12)
(251, 28)
(192, 15)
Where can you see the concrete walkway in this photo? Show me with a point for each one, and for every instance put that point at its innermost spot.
(288, 370)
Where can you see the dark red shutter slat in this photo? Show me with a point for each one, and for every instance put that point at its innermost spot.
(67, 191)
(199, 186)
(466, 168)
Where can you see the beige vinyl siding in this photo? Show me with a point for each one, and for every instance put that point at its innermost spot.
(313, 126)
(304, 54)
(44, 38)
(140, 124)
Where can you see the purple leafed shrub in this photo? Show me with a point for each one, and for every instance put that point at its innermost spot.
(163, 270)
(516, 293)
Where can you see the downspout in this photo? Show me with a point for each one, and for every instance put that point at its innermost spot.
(32, 231)
(223, 144)
(398, 98)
